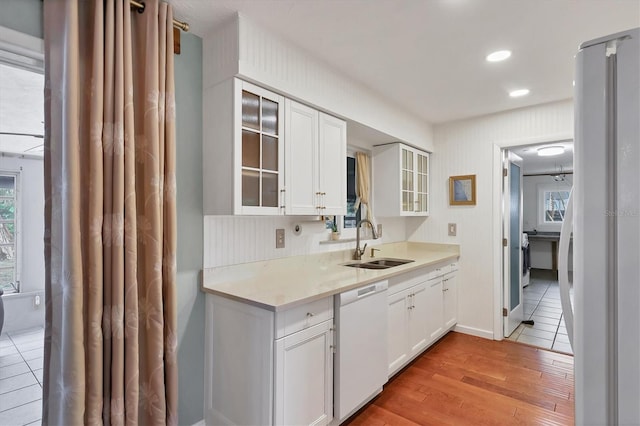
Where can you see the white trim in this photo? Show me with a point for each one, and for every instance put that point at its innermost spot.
(17, 220)
(472, 331)
(541, 190)
(497, 218)
(18, 45)
(200, 423)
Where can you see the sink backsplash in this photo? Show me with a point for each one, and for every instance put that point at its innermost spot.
(229, 240)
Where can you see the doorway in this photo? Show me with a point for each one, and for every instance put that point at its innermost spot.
(533, 212)
(22, 268)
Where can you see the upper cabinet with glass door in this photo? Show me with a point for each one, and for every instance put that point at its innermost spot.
(400, 181)
(243, 150)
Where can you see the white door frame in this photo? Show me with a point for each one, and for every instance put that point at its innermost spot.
(516, 315)
(498, 146)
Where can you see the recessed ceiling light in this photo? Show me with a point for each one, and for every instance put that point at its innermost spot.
(549, 151)
(518, 93)
(498, 56)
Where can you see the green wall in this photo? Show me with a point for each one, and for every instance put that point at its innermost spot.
(26, 16)
(22, 15)
(188, 76)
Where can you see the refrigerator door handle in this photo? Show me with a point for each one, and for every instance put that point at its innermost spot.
(563, 267)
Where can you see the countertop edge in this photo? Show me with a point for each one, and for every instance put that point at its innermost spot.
(386, 274)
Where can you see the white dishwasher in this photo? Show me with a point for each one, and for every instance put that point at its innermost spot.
(360, 367)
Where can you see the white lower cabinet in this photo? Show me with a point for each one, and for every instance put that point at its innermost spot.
(276, 368)
(422, 306)
(418, 311)
(407, 325)
(268, 368)
(304, 377)
(398, 330)
(450, 294)
(435, 325)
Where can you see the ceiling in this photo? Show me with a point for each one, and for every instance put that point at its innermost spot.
(532, 163)
(428, 56)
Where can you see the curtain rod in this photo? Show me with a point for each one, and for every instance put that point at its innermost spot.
(184, 26)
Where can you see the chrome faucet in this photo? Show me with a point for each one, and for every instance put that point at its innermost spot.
(357, 254)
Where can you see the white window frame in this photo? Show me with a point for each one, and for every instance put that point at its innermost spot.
(27, 52)
(351, 232)
(543, 189)
(17, 241)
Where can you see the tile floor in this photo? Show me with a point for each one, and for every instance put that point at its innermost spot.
(542, 305)
(21, 356)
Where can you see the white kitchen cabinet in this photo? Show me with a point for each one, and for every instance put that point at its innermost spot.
(422, 307)
(243, 150)
(316, 150)
(418, 310)
(450, 293)
(398, 330)
(304, 377)
(268, 368)
(442, 300)
(407, 331)
(400, 180)
(435, 324)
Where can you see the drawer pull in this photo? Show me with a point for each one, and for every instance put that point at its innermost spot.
(309, 314)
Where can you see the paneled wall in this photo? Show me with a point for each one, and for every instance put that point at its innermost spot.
(230, 240)
(247, 50)
(466, 147)
(530, 202)
(242, 48)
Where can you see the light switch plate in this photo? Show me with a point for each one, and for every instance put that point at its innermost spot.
(452, 229)
(379, 230)
(279, 238)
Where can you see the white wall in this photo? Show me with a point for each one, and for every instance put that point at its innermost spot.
(229, 240)
(541, 251)
(467, 147)
(20, 312)
(530, 201)
(243, 48)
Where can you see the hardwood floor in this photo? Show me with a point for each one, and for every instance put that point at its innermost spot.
(466, 380)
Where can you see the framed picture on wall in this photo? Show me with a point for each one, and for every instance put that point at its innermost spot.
(462, 190)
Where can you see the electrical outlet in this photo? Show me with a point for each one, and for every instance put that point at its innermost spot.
(379, 231)
(452, 229)
(279, 238)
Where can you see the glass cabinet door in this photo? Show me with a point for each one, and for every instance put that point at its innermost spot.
(260, 146)
(408, 191)
(422, 178)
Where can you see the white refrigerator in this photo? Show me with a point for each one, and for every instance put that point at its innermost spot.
(606, 232)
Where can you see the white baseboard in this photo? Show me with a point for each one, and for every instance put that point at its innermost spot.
(200, 423)
(485, 334)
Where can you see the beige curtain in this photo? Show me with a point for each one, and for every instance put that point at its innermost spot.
(363, 186)
(110, 226)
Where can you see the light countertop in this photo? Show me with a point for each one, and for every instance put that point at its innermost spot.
(281, 284)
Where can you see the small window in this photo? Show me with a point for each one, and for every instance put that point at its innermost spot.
(8, 232)
(551, 205)
(554, 206)
(351, 219)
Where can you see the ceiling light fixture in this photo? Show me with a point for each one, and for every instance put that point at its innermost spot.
(518, 93)
(549, 151)
(498, 56)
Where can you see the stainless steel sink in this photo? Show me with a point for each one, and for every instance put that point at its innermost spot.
(379, 263)
(390, 262)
